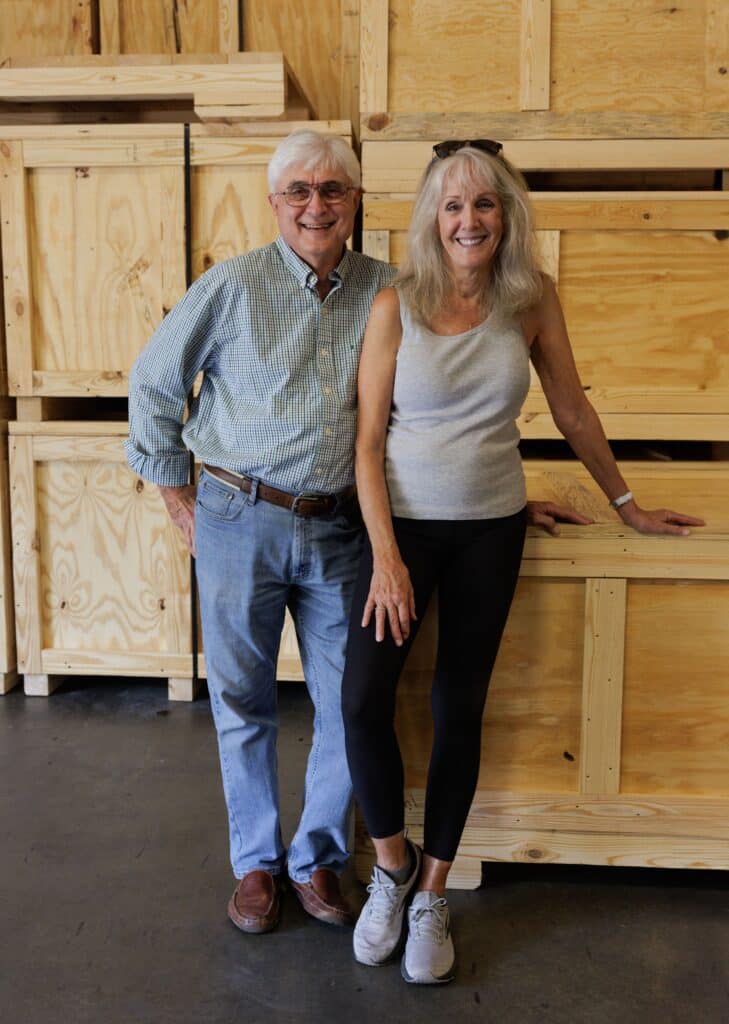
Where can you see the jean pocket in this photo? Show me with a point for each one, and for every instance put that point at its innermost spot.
(218, 500)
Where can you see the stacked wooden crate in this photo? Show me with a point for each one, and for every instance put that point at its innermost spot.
(605, 736)
(94, 244)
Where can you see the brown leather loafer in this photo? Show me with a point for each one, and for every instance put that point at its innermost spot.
(255, 906)
(322, 898)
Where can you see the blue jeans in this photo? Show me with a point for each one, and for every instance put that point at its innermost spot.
(253, 560)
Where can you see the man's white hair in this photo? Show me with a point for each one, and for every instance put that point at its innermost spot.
(309, 149)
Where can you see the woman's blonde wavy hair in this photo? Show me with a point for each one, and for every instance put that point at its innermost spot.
(515, 282)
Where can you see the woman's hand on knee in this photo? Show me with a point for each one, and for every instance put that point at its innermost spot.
(391, 600)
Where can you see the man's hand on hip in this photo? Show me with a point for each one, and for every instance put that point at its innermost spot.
(180, 503)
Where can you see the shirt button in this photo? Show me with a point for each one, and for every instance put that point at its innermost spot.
(327, 390)
(328, 431)
(323, 351)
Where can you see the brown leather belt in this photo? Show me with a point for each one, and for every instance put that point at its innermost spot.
(300, 504)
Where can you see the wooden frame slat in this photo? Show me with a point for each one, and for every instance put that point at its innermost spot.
(374, 35)
(16, 264)
(602, 685)
(535, 58)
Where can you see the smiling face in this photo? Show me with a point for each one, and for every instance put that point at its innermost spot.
(470, 223)
(318, 231)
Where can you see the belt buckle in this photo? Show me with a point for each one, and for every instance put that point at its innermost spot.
(302, 497)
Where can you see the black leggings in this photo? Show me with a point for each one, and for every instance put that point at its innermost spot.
(475, 565)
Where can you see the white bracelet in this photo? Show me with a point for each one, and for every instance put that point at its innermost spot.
(622, 500)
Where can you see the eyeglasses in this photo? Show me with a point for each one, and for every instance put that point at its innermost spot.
(301, 193)
(445, 149)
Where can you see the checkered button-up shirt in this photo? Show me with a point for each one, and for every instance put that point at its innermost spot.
(278, 399)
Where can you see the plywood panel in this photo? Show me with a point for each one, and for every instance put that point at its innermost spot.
(95, 304)
(114, 571)
(676, 691)
(445, 57)
(633, 55)
(231, 214)
(322, 47)
(531, 731)
(647, 310)
(169, 26)
(32, 29)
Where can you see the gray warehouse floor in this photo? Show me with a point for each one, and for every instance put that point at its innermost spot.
(115, 881)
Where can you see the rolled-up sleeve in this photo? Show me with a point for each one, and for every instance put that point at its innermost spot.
(159, 384)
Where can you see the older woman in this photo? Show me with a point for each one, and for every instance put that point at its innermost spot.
(443, 374)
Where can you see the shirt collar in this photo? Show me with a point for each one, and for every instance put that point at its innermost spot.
(303, 272)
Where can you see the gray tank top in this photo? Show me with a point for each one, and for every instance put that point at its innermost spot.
(451, 449)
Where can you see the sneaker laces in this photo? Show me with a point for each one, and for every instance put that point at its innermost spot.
(429, 922)
(382, 902)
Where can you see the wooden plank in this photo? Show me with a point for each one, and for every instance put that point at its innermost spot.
(172, 240)
(182, 689)
(701, 488)
(110, 41)
(228, 26)
(548, 242)
(8, 681)
(255, 84)
(72, 431)
(602, 685)
(92, 152)
(535, 58)
(101, 662)
(99, 383)
(633, 814)
(537, 125)
(8, 657)
(16, 267)
(376, 244)
(717, 57)
(630, 427)
(374, 44)
(40, 684)
(397, 166)
(26, 555)
(614, 850)
(584, 211)
(604, 551)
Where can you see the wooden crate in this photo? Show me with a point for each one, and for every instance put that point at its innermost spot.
(627, 69)
(54, 27)
(606, 734)
(94, 238)
(642, 278)
(102, 577)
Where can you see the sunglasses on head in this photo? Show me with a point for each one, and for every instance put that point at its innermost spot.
(445, 149)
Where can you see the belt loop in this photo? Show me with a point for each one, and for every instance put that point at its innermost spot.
(253, 493)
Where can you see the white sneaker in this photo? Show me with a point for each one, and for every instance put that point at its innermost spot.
(429, 956)
(379, 928)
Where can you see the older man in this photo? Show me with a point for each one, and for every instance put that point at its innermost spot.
(277, 332)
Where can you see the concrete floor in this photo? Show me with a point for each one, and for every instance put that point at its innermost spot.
(115, 881)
